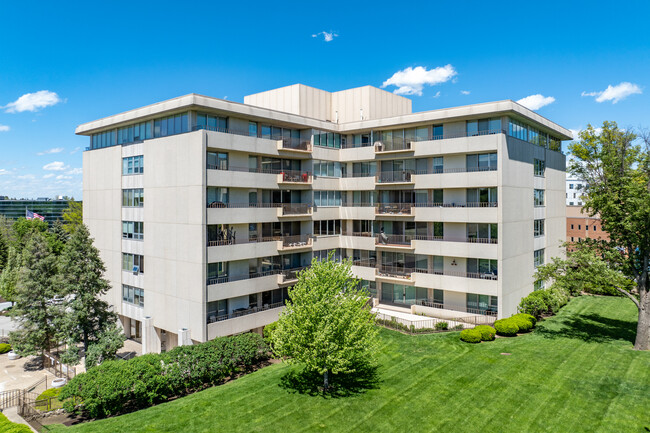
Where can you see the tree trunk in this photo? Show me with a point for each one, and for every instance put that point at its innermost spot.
(642, 341)
(326, 380)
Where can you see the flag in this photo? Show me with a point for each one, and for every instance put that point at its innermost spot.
(31, 215)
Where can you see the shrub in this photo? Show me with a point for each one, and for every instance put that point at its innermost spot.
(487, 332)
(118, 386)
(459, 327)
(522, 323)
(506, 327)
(7, 426)
(528, 317)
(555, 299)
(47, 400)
(268, 333)
(470, 336)
(442, 326)
(534, 304)
(4, 348)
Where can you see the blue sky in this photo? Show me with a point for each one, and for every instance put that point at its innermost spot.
(99, 60)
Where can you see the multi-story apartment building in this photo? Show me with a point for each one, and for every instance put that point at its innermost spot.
(575, 188)
(205, 209)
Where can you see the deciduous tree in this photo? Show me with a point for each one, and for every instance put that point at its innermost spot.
(616, 168)
(327, 325)
(73, 215)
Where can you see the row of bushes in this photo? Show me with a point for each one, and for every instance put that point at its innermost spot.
(478, 334)
(394, 324)
(121, 386)
(7, 426)
(545, 301)
(519, 323)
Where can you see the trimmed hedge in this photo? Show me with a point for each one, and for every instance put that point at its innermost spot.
(442, 326)
(487, 332)
(531, 319)
(506, 327)
(522, 323)
(4, 348)
(7, 426)
(119, 386)
(470, 336)
(546, 301)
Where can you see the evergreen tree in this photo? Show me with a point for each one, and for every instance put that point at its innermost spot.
(9, 275)
(87, 317)
(4, 251)
(36, 309)
(327, 324)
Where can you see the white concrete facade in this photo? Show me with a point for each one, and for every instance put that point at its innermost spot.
(433, 213)
(575, 188)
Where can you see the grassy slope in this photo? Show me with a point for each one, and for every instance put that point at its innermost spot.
(576, 373)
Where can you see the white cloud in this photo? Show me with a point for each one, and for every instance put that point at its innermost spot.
(3, 172)
(49, 175)
(464, 92)
(33, 101)
(410, 81)
(26, 177)
(53, 150)
(327, 36)
(576, 132)
(59, 177)
(75, 150)
(615, 93)
(437, 95)
(55, 166)
(537, 101)
(4, 128)
(74, 171)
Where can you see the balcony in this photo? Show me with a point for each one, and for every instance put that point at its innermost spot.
(296, 209)
(295, 177)
(290, 276)
(394, 146)
(296, 242)
(243, 320)
(243, 312)
(405, 240)
(488, 311)
(294, 144)
(393, 209)
(398, 271)
(229, 279)
(395, 177)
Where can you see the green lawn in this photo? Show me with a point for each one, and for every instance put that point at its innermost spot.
(576, 373)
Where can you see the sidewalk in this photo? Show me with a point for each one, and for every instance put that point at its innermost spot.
(12, 415)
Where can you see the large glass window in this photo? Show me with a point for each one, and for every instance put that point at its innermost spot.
(538, 227)
(133, 230)
(539, 167)
(103, 139)
(327, 168)
(327, 198)
(482, 197)
(133, 263)
(483, 126)
(481, 162)
(525, 132)
(217, 196)
(133, 197)
(217, 161)
(539, 197)
(327, 227)
(171, 125)
(482, 303)
(133, 165)
(438, 132)
(134, 133)
(482, 232)
(482, 266)
(210, 122)
(133, 295)
(538, 257)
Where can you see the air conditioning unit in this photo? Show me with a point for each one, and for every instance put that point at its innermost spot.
(136, 269)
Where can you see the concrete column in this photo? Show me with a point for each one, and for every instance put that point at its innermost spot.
(184, 337)
(150, 338)
(125, 322)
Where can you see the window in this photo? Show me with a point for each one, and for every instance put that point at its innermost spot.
(133, 295)
(133, 165)
(482, 267)
(438, 132)
(481, 197)
(327, 139)
(327, 227)
(133, 197)
(571, 226)
(538, 257)
(482, 303)
(538, 285)
(103, 139)
(211, 123)
(217, 196)
(586, 227)
(570, 186)
(131, 261)
(133, 133)
(361, 140)
(525, 132)
(217, 161)
(364, 169)
(579, 226)
(323, 254)
(540, 167)
(483, 126)
(252, 129)
(538, 228)
(217, 270)
(539, 197)
(327, 198)
(438, 296)
(481, 162)
(133, 230)
(570, 203)
(327, 168)
(482, 233)
(170, 125)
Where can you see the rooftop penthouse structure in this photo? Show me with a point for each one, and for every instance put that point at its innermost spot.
(205, 210)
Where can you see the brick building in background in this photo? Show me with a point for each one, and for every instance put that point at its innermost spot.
(579, 225)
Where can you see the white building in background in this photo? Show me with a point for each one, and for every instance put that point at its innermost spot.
(204, 209)
(575, 188)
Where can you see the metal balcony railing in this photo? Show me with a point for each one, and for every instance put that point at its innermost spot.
(296, 144)
(294, 176)
(290, 274)
(229, 279)
(296, 241)
(393, 208)
(406, 239)
(296, 208)
(488, 311)
(243, 312)
(287, 175)
(395, 176)
(405, 272)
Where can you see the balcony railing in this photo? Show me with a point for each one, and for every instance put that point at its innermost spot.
(287, 241)
(393, 208)
(290, 274)
(296, 144)
(368, 263)
(405, 272)
(407, 143)
(486, 312)
(297, 241)
(296, 209)
(406, 239)
(230, 279)
(294, 176)
(287, 175)
(396, 176)
(243, 312)
(381, 146)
